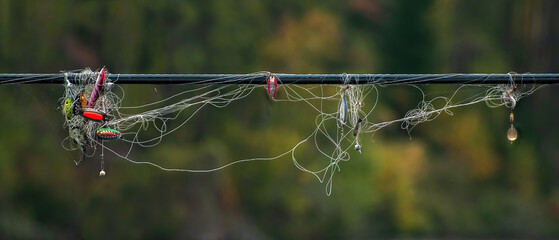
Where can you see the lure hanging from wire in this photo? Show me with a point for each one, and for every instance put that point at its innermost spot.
(97, 89)
(83, 100)
(355, 132)
(357, 126)
(343, 109)
(510, 101)
(272, 86)
(80, 102)
(68, 109)
(511, 133)
(93, 115)
(107, 134)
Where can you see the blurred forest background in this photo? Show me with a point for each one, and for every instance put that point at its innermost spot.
(457, 176)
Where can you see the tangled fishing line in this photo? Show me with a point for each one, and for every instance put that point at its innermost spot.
(94, 114)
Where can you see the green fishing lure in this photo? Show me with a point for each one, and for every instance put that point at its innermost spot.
(107, 134)
(68, 109)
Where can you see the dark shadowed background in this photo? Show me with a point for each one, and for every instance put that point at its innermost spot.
(457, 176)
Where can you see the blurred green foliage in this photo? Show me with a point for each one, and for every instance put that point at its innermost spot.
(457, 176)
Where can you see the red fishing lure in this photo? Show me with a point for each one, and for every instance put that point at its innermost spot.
(95, 116)
(98, 88)
(272, 86)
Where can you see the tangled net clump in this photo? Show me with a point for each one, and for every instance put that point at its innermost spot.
(87, 93)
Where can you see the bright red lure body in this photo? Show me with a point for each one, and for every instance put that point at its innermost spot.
(272, 86)
(94, 116)
(98, 88)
